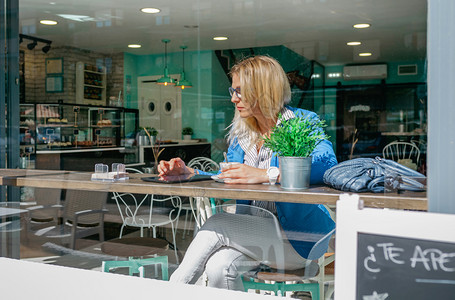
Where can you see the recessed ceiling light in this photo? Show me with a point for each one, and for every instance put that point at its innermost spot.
(365, 54)
(353, 43)
(220, 38)
(48, 22)
(77, 18)
(134, 46)
(150, 10)
(362, 25)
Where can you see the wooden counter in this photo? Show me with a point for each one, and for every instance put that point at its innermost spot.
(313, 195)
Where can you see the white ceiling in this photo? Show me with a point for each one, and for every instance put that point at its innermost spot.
(317, 29)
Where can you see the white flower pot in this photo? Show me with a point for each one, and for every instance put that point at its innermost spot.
(187, 137)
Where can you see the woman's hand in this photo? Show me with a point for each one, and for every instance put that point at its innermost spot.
(175, 166)
(241, 173)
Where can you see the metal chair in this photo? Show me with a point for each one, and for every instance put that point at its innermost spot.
(83, 215)
(149, 211)
(47, 207)
(200, 207)
(407, 154)
(282, 281)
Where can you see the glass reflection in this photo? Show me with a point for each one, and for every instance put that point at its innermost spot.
(381, 101)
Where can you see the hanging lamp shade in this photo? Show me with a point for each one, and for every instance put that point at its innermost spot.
(166, 79)
(183, 83)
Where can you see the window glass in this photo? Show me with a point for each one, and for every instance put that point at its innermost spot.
(102, 82)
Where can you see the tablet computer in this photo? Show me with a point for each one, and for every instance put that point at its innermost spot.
(178, 179)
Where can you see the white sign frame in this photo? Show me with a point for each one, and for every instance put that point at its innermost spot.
(352, 218)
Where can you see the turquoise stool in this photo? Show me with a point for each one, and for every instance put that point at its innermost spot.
(136, 265)
(134, 249)
(280, 285)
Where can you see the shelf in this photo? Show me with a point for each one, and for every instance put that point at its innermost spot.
(95, 86)
(94, 72)
(56, 125)
(411, 133)
(105, 126)
(90, 83)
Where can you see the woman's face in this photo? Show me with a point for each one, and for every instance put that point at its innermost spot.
(244, 109)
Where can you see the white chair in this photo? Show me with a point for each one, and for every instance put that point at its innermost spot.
(83, 215)
(200, 207)
(149, 211)
(407, 154)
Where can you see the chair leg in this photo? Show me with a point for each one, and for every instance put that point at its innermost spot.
(175, 244)
(101, 233)
(121, 231)
(185, 225)
(162, 260)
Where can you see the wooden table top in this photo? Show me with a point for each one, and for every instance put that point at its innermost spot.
(313, 195)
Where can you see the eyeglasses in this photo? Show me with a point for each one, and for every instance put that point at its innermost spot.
(236, 91)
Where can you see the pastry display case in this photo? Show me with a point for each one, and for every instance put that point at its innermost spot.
(52, 131)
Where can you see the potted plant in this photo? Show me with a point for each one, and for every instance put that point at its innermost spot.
(151, 133)
(293, 141)
(187, 132)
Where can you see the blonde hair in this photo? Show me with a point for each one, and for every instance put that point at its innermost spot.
(263, 83)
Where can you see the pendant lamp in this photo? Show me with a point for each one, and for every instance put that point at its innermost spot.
(166, 79)
(183, 83)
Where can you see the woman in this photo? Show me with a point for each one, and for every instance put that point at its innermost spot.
(260, 91)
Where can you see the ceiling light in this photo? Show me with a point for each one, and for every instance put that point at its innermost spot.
(334, 75)
(365, 54)
(361, 25)
(183, 83)
(150, 10)
(134, 46)
(166, 79)
(32, 45)
(353, 43)
(220, 38)
(34, 42)
(46, 48)
(48, 22)
(77, 18)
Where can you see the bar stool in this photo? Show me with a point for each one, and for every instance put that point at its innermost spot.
(135, 248)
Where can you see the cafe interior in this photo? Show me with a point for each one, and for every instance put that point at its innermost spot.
(118, 86)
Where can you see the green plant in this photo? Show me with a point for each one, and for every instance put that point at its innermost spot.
(187, 131)
(151, 131)
(296, 137)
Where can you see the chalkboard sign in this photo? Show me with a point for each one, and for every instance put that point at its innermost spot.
(384, 254)
(402, 268)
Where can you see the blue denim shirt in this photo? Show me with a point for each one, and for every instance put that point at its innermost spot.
(300, 220)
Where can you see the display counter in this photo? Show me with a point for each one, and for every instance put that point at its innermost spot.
(57, 136)
(78, 159)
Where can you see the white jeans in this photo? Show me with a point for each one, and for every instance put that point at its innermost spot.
(229, 244)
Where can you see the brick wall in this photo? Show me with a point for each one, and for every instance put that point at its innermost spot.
(35, 73)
